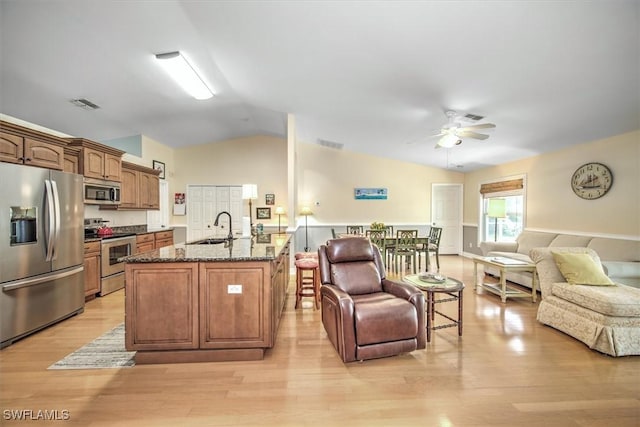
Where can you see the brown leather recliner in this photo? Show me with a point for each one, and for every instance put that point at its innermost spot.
(365, 315)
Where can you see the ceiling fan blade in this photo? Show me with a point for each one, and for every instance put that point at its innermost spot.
(480, 126)
(470, 134)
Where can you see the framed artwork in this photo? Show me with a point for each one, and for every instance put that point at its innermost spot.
(270, 199)
(263, 213)
(370, 193)
(263, 238)
(159, 166)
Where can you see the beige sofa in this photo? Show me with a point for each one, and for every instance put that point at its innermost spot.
(620, 258)
(606, 318)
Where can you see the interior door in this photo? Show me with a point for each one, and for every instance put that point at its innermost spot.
(446, 212)
(204, 202)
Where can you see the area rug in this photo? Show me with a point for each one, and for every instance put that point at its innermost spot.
(106, 351)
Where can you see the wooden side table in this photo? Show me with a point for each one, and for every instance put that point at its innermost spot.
(451, 287)
(505, 265)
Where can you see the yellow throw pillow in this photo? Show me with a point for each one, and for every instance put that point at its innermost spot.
(580, 269)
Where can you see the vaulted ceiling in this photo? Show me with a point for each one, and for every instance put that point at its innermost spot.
(374, 77)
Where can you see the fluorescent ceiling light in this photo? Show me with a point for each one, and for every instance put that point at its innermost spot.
(184, 74)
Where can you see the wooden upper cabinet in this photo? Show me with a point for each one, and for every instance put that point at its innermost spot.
(11, 148)
(112, 167)
(42, 154)
(149, 191)
(30, 147)
(140, 188)
(129, 188)
(71, 160)
(98, 161)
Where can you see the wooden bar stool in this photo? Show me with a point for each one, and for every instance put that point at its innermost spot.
(307, 278)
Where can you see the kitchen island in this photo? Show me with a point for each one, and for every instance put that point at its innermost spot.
(206, 302)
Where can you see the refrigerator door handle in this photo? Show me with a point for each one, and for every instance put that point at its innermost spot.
(51, 219)
(57, 219)
(23, 283)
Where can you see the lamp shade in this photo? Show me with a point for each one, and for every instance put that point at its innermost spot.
(249, 191)
(306, 210)
(279, 210)
(497, 208)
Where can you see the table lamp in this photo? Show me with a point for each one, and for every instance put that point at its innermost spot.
(306, 211)
(250, 192)
(279, 211)
(497, 209)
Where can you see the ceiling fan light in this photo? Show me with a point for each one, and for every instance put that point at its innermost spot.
(184, 74)
(449, 141)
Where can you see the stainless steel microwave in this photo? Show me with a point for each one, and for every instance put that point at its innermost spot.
(100, 192)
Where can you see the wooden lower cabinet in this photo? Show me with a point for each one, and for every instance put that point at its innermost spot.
(179, 312)
(163, 238)
(91, 270)
(232, 301)
(162, 307)
(145, 243)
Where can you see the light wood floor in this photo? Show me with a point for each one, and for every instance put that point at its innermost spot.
(506, 370)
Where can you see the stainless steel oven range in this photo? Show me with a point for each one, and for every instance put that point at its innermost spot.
(112, 271)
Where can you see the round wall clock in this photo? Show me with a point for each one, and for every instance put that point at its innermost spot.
(591, 181)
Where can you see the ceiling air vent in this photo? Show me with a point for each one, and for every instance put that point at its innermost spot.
(473, 117)
(84, 103)
(330, 144)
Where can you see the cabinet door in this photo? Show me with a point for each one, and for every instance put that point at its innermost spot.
(129, 189)
(11, 148)
(42, 154)
(162, 306)
(149, 191)
(70, 163)
(112, 167)
(163, 238)
(93, 163)
(145, 247)
(91, 269)
(234, 310)
(145, 242)
(91, 275)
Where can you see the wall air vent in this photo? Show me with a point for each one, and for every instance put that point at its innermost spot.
(84, 103)
(330, 144)
(473, 117)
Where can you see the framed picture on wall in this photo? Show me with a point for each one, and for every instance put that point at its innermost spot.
(159, 166)
(270, 199)
(263, 213)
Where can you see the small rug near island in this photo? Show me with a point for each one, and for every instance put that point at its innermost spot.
(106, 351)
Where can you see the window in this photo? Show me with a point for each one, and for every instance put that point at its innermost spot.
(507, 222)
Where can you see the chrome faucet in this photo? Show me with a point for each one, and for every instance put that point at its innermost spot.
(215, 223)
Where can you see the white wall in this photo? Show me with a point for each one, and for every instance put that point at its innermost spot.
(551, 203)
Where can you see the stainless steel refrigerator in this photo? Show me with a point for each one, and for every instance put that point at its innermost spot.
(41, 249)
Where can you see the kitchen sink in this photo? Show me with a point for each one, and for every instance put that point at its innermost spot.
(211, 241)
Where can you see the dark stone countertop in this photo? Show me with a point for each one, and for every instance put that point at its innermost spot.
(135, 229)
(265, 247)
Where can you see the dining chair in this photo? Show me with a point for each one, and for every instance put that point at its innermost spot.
(333, 233)
(355, 229)
(378, 238)
(431, 246)
(389, 244)
(405, 249)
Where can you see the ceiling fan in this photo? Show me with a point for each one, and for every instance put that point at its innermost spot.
(453, 132)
